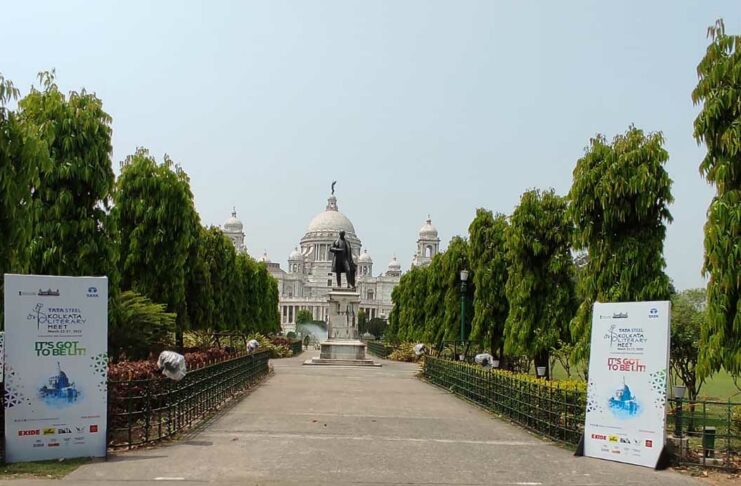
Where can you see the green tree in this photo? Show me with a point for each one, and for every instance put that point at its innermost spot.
(434, 302)
(22, 155)
(718, 126)
(138, 326)
(304, 316)
(540, 287)
(158, 225)
(72, 231)
(488, 257)
(454, 260)
(377, 327)
(688, 316)
(618, 202)
(221, 263)
(199, 294)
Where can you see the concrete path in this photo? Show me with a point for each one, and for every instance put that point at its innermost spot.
(376, 426)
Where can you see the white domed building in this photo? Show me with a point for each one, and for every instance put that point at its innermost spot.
(309, 277)
(233, 228)
(428, 244)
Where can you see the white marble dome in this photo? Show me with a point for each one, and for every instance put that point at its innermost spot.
(331, 219)
(295, 255)
(394, 265)
(324, 229)
(428, 231)
(233, 224)
(365, 258)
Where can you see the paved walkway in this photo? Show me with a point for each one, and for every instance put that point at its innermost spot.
(376, 426)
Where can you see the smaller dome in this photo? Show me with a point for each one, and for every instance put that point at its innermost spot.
(365, 257)
(233, 224)
(264, 258)
(428, 231)
(295, 255)
(394, 264)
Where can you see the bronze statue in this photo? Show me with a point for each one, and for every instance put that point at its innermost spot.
(342, 261)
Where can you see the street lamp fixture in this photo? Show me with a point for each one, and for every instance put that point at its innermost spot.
(464, 282)
(679, 391)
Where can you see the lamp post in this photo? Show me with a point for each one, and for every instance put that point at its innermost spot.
(464, 281)
(678, 395)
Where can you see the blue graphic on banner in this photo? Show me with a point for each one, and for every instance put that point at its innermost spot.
(59, 391)
(624, 405)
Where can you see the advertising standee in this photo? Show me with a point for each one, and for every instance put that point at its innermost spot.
(56, 359)
(626, 394)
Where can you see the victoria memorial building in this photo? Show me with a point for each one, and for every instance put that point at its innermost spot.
(306, 281)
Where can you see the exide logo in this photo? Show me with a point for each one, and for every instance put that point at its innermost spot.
(22, 433)
(599, 437)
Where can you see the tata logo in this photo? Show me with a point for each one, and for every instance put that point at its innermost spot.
(653, 313)
(92, 292)
(23, 433)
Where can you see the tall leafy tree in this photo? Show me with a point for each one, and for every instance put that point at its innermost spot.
(304, 316)
(618, 203)
(434, 301)
(72, 231)
(198, 289)
(688, 316)
(454, 260)
(540, 287)
(487, 254)
(220, 258)
(718, 126)
(22, 155)
(158, 225)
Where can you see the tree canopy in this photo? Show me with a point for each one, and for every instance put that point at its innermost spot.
(488, 258)
(22, 155)
(540, 287)
(718, 126)
(618, 203)
(158, 225)
(72, 231)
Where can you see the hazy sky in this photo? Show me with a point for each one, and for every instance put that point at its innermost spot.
(414, 107)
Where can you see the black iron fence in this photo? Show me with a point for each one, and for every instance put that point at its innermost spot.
(378, 348)
(701, 432)
(141, 411)
(551, 408)
(706, 432)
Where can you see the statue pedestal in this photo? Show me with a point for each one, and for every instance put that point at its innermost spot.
(343, 346)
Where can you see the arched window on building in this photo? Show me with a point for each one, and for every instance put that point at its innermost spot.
(370, 294)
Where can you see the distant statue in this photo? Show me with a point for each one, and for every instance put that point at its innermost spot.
(333, 183)
(342, 261)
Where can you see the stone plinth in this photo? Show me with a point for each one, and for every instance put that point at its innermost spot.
(343, 346)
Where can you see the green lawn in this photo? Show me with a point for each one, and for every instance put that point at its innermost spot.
(41, 469)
